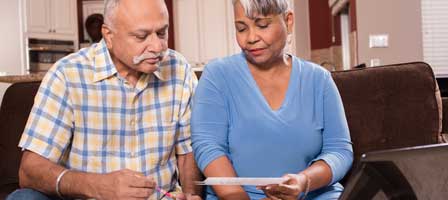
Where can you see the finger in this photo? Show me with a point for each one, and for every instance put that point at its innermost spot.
(291, 178)
(288, 189)
(269, 193)
(279, 192)
(194, 197)
(140, 192)
(181, 196)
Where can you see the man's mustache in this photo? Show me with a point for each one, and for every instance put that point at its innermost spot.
(148, 55)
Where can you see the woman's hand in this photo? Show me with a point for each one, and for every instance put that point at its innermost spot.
(290, 189)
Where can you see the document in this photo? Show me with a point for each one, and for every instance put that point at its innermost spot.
(241, 181)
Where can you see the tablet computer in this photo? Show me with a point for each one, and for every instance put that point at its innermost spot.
(419, 172)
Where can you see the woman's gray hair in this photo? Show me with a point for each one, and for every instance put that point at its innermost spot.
(109, 11)
(263, 7)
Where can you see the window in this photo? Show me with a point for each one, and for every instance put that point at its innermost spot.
(435, 35)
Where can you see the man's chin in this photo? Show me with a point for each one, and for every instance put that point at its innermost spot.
(147, 68)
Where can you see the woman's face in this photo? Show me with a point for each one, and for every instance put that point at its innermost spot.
(262, 38)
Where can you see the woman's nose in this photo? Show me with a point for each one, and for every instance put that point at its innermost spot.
(253, 37)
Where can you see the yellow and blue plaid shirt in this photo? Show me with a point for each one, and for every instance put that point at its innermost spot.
(88, 118)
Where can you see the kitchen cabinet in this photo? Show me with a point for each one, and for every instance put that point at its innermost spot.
(51, 19)
(204, 30)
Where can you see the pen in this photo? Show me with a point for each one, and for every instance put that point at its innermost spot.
(165, 193)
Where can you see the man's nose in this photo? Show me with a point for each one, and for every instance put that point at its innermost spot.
(156, 44)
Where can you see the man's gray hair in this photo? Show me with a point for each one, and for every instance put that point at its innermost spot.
(109, 11)
(263, 7)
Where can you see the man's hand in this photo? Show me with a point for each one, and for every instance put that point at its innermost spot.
(186, 196)
(123, 184)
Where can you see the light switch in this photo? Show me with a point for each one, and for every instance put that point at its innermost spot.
(379, 41)
(375, 62)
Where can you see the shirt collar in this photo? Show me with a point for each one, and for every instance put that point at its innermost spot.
(102, 62)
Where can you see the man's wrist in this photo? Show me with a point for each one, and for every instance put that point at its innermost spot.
(79, 185)
(58, 183)
(92, 186)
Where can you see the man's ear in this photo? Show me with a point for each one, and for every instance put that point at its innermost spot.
(289, 21)
(107, 35)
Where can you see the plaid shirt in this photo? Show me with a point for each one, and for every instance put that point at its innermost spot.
(88, 118)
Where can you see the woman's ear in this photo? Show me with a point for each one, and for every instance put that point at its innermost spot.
(289, 21)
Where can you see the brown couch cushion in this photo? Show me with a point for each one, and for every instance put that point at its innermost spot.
(16, 106)
(390, 106)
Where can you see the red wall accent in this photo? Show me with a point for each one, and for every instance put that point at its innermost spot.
(321, 23)
(323, 26)
(169, 5)
(352, 11)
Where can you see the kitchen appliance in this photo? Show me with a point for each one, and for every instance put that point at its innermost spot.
(42, 54)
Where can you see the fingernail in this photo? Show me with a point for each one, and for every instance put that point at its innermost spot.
(268, 187)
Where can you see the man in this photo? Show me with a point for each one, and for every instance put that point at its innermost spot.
(112, 121)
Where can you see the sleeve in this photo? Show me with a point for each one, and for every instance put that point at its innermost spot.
(183, 143)
(209, 119)
(337, 149)
(48, 130)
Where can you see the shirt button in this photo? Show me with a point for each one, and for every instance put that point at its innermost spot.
(133, 154)
(132, 122)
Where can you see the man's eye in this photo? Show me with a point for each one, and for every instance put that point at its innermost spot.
(161, 34)
(141, 37)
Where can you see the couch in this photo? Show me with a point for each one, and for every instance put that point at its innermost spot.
(386, 107)
(15, 108)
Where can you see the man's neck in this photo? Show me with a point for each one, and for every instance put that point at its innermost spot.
(129, 74)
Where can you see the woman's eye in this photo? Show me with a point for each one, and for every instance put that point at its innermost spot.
(263, 25)
(240, 29)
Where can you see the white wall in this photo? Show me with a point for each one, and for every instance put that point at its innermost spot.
(302, 29)
(400, 19)
(10, 34)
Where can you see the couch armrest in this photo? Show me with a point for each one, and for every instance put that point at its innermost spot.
(445, 119)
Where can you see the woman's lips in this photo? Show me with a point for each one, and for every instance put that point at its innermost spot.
(256, 52)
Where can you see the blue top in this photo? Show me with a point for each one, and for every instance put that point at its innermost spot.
(231, 117)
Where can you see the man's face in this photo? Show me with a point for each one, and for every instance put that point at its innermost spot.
(139, 27)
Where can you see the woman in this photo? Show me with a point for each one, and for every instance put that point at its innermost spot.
(266, 113)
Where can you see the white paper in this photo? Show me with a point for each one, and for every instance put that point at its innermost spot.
(241, 181)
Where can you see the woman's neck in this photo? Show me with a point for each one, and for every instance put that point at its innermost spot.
(274, 68)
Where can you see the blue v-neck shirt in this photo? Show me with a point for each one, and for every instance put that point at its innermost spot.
(232, 118)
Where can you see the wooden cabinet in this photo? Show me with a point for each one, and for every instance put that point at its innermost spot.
(204, 30)
(51, 19)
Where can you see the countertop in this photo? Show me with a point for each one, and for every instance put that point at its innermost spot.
(22, 78)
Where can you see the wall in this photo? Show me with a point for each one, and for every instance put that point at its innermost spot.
(302, 29)
(401, 19)
(10, 33)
